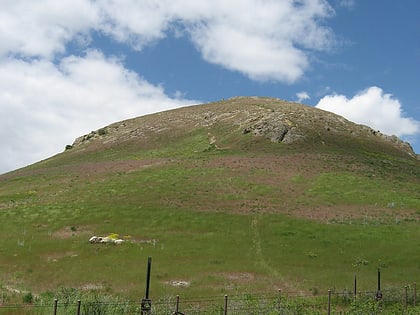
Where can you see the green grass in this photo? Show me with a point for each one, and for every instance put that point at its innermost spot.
(353, 189)
(306, 248)
(200, 247)
(241, 215)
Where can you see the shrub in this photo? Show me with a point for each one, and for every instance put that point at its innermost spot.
(102, 131)
(28, 298)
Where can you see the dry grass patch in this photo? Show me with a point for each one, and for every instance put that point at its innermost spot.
(72, 231)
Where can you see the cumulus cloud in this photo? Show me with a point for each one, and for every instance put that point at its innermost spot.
(134, 22)
(45, 106)
(372, 107)
(264, 40)
(301, 96)
(43, 28)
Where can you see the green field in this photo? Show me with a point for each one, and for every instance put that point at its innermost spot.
(244, 215)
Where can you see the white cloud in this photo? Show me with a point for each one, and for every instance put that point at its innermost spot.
(264, 40)
(301, 96)
(43, 28)
(135, 22)
(374, 108)
(259, 58)
(48, 97)
(46, 106)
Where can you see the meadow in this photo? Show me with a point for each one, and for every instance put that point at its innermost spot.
(239, 215)
(238, 242)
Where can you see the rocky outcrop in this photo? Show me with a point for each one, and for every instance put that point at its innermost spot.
(275, 131)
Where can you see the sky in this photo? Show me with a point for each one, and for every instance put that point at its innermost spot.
(68, 67)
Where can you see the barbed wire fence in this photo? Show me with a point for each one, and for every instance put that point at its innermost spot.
(282, 303)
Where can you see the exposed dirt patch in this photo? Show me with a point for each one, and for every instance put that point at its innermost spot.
(72, 231)
(240, 179)
(240, 277)
(90, 169)
(126, 166)
(348, 214)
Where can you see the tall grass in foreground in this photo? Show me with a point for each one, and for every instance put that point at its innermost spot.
(68, 301)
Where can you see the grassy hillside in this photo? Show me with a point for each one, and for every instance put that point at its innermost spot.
(245, 194)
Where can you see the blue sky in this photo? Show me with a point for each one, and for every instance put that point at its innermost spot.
(69, 67)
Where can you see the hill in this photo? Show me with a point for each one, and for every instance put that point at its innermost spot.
(246, 193)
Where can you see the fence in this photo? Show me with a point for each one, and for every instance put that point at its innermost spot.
(399, 300)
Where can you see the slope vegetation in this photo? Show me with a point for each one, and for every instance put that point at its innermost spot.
(242, 194)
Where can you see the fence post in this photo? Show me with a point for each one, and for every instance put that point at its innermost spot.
(146, 303)
(414, 294)
(55, 306)
(406, 297)
(177, 305)
(379, 293)
(355, 286)
(226, 305)
(78, 306)
(329, 302)
(279, 300)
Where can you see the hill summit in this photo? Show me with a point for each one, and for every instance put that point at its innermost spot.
(273, 119)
